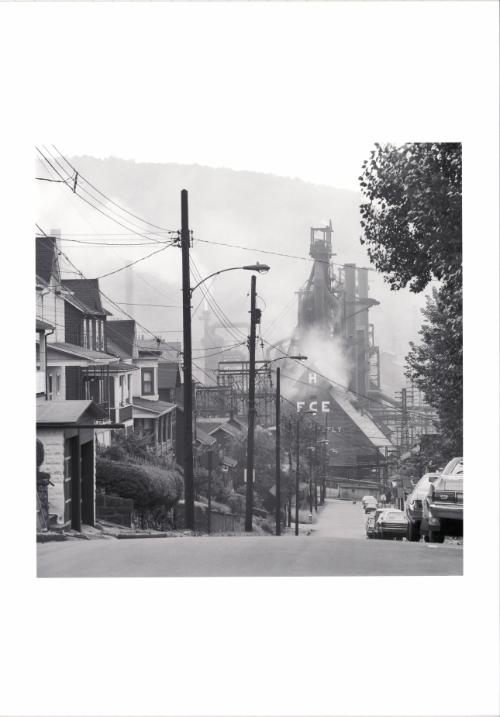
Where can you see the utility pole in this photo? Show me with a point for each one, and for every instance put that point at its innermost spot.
(209, 515)
(188, 378)
(311, 453)
(315, 454)
(278, 453)
(297, 472)
(254, 319)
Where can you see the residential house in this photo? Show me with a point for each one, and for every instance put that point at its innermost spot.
(78, 366)
(152, 417)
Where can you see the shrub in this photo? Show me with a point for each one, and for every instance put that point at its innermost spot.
(148, 486)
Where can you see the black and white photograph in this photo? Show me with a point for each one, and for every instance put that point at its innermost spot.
(315, 398)
(263, 243)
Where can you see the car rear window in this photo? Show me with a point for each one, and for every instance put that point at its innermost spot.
(394, 517)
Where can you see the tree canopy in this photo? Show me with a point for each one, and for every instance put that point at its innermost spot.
(412, 219)
(412, 223)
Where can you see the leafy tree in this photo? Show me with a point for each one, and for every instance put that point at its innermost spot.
(412, 225)
(435, 365)
(412, 221)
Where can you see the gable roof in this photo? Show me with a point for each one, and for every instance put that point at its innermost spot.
(203, 437)
(170, 350)
(87, 292)
(45, 257)
(66, 412)
(363, 421)
(120, 335)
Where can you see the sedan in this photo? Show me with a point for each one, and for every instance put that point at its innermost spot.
(392, 524)
(414, 505)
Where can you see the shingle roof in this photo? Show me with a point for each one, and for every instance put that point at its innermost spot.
(67, 412)
(45, 256)
(122, 366)
(87, 292)
(170, 350)
(158, 407)
(80, 352)
(363, 421)
(120, 335)
(203, 437)
(168, 373)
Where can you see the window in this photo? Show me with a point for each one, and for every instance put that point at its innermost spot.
(129, 388)
(148, 381)
(85, 336)
(122, 390)
(58, 384)
(91, 334)
(50, 387)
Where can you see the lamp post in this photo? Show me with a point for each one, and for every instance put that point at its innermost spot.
(187, 293)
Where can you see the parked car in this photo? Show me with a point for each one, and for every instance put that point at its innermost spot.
(367, 499)
(443, 507)
(370, 526)
(414, 503)
(376, 515)
(392, 523)
(370, 504)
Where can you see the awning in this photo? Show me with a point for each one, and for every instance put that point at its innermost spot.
(67, 413)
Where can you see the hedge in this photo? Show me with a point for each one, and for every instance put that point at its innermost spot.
(148, 486)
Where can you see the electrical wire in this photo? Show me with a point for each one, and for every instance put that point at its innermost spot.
(132, 263)
(108, 216)
(123, 209)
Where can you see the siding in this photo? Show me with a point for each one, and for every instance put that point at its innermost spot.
(73, 383)
(73, 325)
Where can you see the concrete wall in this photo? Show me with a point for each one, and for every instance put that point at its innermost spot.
(53, 443)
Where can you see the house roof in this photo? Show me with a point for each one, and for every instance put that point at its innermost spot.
(170, 349)
(121, 366)
(362, 420)
(45, 257)
(203, 437)
(229, 462)
(120, 335)
(87, 292)
(43, 325)
(80, 352)
(66, 412)
(229, 429)
(158, 407)
(168, 373)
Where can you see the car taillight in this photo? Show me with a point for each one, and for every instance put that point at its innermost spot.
(460, 497)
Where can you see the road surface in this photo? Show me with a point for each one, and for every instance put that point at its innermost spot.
(336, 546)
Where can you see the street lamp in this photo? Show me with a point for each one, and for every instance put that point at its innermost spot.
(187, 293)
(259, 268)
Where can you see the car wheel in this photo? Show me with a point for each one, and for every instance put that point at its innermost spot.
(435, 536)
(413, 534)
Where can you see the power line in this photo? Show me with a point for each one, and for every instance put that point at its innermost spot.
(123, 209)
(108, 216)
(110, 273)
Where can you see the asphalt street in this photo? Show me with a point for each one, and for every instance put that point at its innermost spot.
(336, 546)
